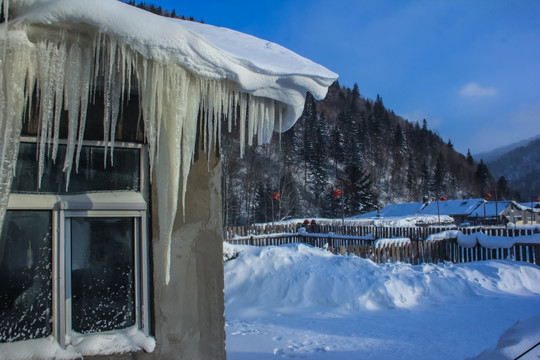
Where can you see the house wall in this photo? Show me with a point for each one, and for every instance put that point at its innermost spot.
(517, 216)
(188, 313)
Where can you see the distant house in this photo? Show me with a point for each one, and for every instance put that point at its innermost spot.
(467, 211)
(521, 214)
(110, 198)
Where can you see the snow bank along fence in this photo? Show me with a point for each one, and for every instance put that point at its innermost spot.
(411, 245)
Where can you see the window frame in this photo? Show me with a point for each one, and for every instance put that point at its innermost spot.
(113, 204)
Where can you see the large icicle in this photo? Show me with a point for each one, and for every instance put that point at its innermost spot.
(15, 63)
(174, 98)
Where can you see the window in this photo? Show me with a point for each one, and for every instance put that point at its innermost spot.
(102, 272)
(91, 174)
(25, 276)
(75, 261)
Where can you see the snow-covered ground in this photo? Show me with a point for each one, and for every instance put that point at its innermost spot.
(296, 301)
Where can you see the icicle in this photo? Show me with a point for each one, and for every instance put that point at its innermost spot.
(84, 96)
(242, 123)
(115, 111)
(109, 93)
(251, 119)
(15, 65)
(73, 105)
(227, 108)
(259, 121)
(146, 111)
(170, 161)
(280, 121)
(204, 107)
(46, 85)
(97, 59)
(271, 108)
(58, 63)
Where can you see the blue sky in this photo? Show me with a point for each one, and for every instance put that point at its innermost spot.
(471, 68)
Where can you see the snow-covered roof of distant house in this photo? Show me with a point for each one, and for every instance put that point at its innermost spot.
(260, 67)
(493, 208)
(529, 205)
(407, 214)
(395, 210)
(453, 207)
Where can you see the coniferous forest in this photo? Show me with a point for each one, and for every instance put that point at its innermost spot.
(352, 144)
(349, 144)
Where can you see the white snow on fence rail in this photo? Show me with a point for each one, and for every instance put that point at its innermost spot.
(443, 235)
(398, 241)
(263, 236)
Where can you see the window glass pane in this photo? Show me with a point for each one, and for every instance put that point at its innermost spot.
(102, 274)
(129, 126)
(25, 276)
(92, 175)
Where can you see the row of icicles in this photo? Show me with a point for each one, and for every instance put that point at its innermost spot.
(65, 75)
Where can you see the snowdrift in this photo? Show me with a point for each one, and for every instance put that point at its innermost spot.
(300, 276)
(298, 301)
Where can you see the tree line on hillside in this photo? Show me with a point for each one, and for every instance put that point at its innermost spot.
(346, 155)
(158, 10)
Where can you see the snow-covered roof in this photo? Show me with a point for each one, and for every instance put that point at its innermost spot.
(535, 206)
(453, 207)
(493, 208)
(395, 210)
(260, 67)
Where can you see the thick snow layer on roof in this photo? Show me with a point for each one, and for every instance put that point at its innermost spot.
(453, 207)
(494, 208)
(395, 210)
(258, 66)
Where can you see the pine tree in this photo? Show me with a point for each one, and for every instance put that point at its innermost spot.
(358, 192)
(482, 178)
(470, 159)
(439, 177)
(502, 188)
(262, 206)
(336, 148)
(425, 179)
(318, 159)
(309, 122)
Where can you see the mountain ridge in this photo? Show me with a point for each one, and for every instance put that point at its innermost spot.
(492, 155)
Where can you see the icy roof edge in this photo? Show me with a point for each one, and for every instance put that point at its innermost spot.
(260, 67)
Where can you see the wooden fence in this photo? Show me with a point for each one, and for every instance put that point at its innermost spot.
(378, 232)
(416, 252)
